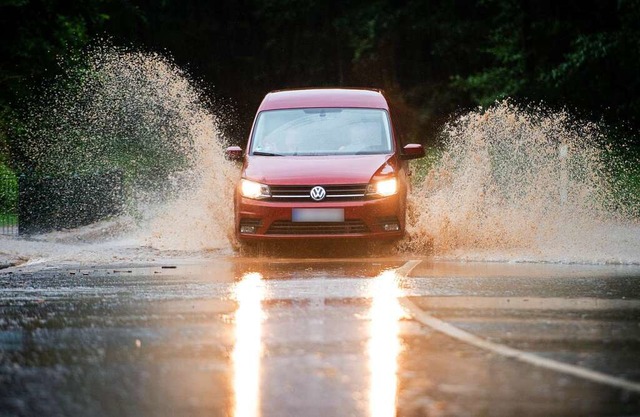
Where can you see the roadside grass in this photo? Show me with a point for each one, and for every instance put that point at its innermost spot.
(8, 197)
(8, 220)
(8, 190)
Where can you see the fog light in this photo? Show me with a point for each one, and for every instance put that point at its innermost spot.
(249, 226)
(391, 227)
(247, 229)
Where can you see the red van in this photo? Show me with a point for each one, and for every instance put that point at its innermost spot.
(322, 163)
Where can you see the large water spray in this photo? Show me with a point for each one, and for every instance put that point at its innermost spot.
(523, 185)
(140, 114)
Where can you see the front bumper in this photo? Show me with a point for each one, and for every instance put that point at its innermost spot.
(363, 219)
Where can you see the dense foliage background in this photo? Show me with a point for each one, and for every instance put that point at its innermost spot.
(433, 57)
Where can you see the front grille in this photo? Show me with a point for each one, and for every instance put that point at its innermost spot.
(285, 227)
(302, 192)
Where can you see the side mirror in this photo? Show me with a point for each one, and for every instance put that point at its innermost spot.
(233, 153)
(412, 151)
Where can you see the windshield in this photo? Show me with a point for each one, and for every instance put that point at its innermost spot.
(322, 131)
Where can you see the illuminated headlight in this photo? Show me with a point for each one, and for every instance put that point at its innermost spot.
(255, 190)
(383, 188)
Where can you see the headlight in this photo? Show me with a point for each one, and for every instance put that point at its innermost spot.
(252, 189)
(383, 188)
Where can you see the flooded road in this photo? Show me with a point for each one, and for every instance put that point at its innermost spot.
(326, 337)
(150, 313)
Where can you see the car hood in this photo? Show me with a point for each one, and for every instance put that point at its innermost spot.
(309, 170)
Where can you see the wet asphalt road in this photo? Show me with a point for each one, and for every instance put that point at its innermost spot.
(350, 337)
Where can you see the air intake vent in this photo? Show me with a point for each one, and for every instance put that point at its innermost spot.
(283, 227)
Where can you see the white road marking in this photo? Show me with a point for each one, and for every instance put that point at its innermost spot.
(463, 336)
(528, 303)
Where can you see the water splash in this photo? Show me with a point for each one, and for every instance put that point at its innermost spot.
(139, 113)
(523, 185)
(511, 184)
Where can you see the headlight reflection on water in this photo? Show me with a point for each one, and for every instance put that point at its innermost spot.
(247, 350)
(384, 345)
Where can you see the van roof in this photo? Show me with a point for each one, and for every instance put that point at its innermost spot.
(324, 97)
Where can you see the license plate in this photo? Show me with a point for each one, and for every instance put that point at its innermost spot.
(318, 215)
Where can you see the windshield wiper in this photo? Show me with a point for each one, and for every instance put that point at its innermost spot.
(265, 153)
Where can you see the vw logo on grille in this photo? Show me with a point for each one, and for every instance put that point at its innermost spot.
(318, 193)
